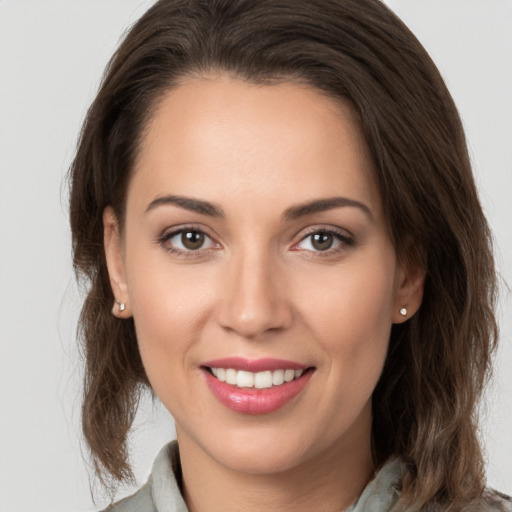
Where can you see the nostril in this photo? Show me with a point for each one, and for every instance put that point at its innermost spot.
(253, 320)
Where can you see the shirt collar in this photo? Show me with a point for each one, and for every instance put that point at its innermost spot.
(379, 495)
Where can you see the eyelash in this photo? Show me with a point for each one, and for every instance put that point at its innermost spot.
(345, 242)
(164, 239)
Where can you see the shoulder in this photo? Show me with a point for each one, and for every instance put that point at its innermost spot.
(141, 501)
(161, 493)
(383, 493)
(497, 501)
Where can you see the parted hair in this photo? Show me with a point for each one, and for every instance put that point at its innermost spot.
(425, 405)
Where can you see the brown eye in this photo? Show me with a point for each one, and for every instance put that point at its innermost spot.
(322, 241)
(325, 240)
(187, 241)
(192, 240)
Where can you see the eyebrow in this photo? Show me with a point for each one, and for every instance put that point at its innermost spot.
(188, 203)
(322, 205)
(292, 213)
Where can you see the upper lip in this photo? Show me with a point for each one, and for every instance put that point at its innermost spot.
(254, 365)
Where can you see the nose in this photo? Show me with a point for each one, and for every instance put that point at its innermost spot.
(254, 301)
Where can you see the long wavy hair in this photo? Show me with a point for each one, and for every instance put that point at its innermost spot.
(357, 51)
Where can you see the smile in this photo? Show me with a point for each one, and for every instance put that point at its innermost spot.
(256, 386)
(259, 380)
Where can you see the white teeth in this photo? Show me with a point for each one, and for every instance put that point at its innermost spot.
(244, 379)
(263, 380)
(231, 376)
(278, 377)
(289, 375)
(259, 380)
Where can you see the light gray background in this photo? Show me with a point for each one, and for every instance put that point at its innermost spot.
(52, 54)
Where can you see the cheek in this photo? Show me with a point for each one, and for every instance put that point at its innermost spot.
(350, 314)
(170, 305)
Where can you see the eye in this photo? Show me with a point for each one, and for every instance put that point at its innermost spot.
(187, 240)
(324, 240)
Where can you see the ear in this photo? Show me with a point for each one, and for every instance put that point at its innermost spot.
(115, 264)
(410, 281)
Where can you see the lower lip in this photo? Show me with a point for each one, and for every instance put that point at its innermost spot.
(256, 401)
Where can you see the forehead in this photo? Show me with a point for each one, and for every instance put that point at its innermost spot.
(227, 138)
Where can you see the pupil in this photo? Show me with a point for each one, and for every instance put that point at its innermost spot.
(322, 241)
(192, 239)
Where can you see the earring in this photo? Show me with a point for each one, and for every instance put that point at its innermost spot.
(122, 305)
(403, 311)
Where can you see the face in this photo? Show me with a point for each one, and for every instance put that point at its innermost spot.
(256, 262)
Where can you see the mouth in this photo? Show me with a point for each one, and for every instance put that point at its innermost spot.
(260, 380)
(256, 386)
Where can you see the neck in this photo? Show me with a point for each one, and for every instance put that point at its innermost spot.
(330, 481)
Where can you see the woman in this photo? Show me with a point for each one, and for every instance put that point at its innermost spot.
(274, 207)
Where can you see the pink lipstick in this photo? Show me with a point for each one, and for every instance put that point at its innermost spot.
(257, 386)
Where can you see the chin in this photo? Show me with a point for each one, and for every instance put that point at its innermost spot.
(257, 460)
(258, 450)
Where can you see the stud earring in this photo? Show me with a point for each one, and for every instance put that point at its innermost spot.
(403, 311)
(122, 305)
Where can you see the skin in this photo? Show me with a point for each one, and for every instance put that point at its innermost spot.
(259, 287)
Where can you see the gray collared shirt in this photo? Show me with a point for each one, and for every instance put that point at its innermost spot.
(161, 493)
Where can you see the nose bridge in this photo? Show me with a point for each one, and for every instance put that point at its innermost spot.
(255, 300)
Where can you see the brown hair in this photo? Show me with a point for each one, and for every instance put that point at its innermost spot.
(358, 51)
